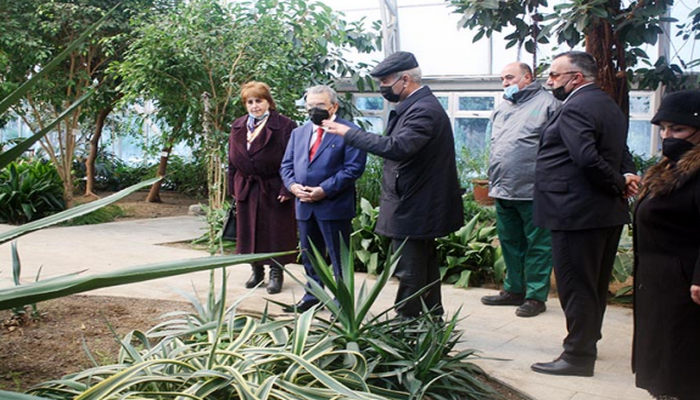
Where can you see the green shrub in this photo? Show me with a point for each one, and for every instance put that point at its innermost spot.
(126, 175)
(113, 174)
(472, 208)
(624, 267)
(372, 248)
(469, 256)
(29, 190)
(369, 186)
(106, 166)
(186, 177)
(216, 221)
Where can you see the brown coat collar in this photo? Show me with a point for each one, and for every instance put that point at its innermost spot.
(664, 177)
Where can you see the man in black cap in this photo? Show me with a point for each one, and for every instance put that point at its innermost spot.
(420, 198)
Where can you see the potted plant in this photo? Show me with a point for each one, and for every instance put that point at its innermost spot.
(474, 169)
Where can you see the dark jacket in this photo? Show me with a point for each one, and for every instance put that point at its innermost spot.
(579, 181)
(263, 223)
(420, 191)
(335, 167)
(666, 353)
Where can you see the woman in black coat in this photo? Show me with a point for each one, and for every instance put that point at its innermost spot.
(265, 218)
(666, 353)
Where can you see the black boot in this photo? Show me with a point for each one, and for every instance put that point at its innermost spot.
(274, 286)
(257, 276)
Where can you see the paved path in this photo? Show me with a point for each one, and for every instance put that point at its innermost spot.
(509, 344)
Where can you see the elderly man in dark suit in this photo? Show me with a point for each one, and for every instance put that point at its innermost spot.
(420, 198)
(583, 174)
(320, 171)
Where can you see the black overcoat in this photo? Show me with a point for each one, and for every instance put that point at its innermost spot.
(666, 353)
(263, 223)
(420, 190)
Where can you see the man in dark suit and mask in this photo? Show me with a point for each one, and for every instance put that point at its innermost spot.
(420, 198)
(320, 171)
(583, 174)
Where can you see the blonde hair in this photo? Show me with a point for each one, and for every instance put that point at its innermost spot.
(258, 90)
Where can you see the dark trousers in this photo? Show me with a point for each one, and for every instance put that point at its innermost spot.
(418, 268)
(325, 235)
(583, 262)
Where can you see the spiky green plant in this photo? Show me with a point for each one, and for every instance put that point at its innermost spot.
(215, 352)
(416, 356)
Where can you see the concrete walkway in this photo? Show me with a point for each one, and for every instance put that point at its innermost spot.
(509, 344)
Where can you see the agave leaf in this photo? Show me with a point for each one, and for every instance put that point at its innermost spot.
(10, 155)
(51, 289)
(72, 213)
(301, 331)
(126, 378)
(265, 389)
(244, 335)
(16, 264)
(19, 396)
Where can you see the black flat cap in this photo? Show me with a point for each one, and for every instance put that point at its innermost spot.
(682, 108)
(397, 62)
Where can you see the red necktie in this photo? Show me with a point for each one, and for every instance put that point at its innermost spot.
(317, 143)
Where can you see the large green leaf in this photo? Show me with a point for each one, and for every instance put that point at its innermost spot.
(16, 151)
(72, 284)
(72, 213)
(19, 396)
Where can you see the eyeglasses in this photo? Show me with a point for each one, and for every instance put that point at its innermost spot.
(555, 75)
(324, 106)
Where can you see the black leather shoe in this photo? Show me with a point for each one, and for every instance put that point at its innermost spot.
(274, 286)
(531, 308)
(257, 277)
(562, 367)
(504, 299)
(301, 306)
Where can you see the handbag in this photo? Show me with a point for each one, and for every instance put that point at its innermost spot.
(228, 232)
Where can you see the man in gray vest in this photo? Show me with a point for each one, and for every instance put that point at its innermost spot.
(516, 126)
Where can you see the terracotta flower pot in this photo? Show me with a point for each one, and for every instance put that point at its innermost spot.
(481, 192)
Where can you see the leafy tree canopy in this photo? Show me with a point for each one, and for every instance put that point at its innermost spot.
(215, 46)
(610, 29)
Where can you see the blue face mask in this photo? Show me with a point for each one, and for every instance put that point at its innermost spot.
(510, 91)
(251, 116)
(254, 121)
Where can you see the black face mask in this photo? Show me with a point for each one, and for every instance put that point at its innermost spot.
(388, 92)
(317, 115)
(560, 92)
(674, 148)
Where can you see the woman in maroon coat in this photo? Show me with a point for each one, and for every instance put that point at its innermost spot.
(666, 356)
(265, 213)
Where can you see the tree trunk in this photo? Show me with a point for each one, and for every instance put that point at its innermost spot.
(605, 46)
(154, 193)
(68, 192)
(94, 147)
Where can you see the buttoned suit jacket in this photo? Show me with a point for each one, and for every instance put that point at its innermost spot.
(335, 167)
(583, 154)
